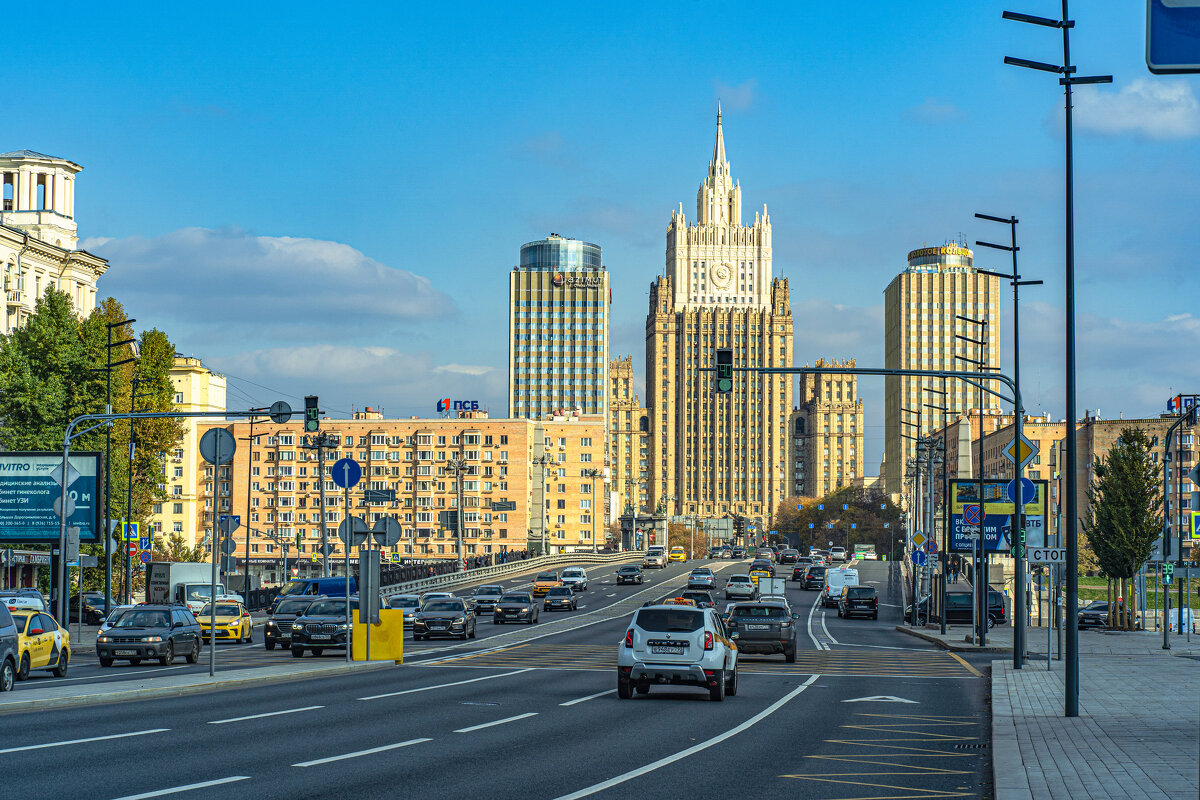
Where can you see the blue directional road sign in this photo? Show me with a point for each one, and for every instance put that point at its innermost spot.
(1028, 491)
(143, 542)
(1173, 36)
(346, 473)
(918, 557)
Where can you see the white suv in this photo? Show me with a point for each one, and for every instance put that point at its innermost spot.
(575, 577)
(677, 645)
(740, 586)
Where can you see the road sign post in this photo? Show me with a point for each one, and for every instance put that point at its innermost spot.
(217, 447)
(346, 473)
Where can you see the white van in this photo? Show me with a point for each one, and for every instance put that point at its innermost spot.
(835, 581)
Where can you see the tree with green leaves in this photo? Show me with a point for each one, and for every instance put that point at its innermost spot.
(858, 516)
(1125, 516)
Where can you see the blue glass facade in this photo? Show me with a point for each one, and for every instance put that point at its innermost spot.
(556, 254)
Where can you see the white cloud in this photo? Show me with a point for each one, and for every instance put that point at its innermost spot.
(1150, 108)
(935, 111)
(464, 369)
(234, 286)
(740, 96)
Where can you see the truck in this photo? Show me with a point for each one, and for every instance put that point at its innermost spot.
(177, 582)
(772, 587)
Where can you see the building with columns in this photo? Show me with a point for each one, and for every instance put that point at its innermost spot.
(827, 431)
(38, 236)
(718, 455)
(628, 439)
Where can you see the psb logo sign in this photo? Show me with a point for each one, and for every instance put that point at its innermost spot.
(447, 404)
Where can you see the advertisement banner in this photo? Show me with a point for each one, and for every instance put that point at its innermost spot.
(29, 488)
(997, 511)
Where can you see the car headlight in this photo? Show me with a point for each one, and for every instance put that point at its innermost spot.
(151, 638)
(460, 621)
(527, 609)
(102, 639)
(296, 627)
(342, 626)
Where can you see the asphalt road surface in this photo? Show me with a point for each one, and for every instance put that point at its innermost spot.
(531, 712)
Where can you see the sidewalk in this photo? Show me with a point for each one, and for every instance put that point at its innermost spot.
(959, 638)
(1136, 735)
(55, 695)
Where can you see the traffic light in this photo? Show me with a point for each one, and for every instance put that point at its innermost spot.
(312, 414)
(724, 371)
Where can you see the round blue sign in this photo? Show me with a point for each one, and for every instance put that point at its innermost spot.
(1028, 491)
(918, 557)
(346, 473)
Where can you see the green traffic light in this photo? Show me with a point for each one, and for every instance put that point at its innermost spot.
(725, 385)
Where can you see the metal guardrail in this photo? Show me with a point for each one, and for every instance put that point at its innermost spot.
(452, 579)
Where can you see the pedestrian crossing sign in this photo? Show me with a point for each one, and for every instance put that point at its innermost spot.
(130, 531)
(1194, 524)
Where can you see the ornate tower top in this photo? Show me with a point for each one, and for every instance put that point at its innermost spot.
(39, 196)
(719, 201)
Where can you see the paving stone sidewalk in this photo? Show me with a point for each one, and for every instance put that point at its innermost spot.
(1137, 735)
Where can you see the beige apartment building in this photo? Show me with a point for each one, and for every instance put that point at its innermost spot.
(197, 388)
(716, 455)
(39, 236)
(922, 306)
(275, 485)
(628, 439)
(827, 431)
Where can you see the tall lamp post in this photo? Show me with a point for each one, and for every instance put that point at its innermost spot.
(944, 555)
(593, 474)
(459, 467)
(1067, 79)
(540, 462)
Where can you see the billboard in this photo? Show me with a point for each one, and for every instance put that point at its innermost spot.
(28, 489)
(998, 509)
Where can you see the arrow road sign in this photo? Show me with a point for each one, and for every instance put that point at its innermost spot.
(1028, 491)
(144, 542)
(346, 473)
(918, 558)
(229, 523)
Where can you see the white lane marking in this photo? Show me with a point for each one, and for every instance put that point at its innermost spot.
(881, 698)
(497, 722)
(809, 627)
(82, 741)
(585, 699)
(614, 594)
(445, 685)
(267, 714)
(827, 634)
(671, 759)
(189, 787)
(357, 753)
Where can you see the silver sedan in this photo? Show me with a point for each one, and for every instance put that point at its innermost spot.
(702, 578)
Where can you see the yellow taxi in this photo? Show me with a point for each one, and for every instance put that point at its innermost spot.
(678, 554)
(755, 574)
(679, 601)
(544, 582)
(42, 644)
(233, 621)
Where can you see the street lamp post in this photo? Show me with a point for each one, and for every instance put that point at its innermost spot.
(540, 462)
(980, 558)
(1067, 79)
(593, 474)
(459, 467)
(944, 555)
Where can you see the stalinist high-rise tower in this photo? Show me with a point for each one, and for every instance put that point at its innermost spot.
(717, 455)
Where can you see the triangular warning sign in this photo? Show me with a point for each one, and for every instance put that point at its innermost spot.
(881, 698)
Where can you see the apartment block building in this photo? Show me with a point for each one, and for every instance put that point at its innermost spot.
(629, 439)
(827, 431)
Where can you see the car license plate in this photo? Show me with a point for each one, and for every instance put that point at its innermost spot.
(667, 651)
(758, 627)
(316, 636)
(125, 652)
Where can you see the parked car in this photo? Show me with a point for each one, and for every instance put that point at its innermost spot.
(765, 627)
(677, 645)
(278, 628)
(149, 631)
(629, 574)
(8, 650)
(1094, 615)
(958, 609)
(859, 600)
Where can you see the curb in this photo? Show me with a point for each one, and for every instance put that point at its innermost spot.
(964, 647)
(205, 685)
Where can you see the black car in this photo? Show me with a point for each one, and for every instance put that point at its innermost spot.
(763, 563)
(92, 614)
(739, 552)
(560, 597)
(8, 650)
(149, 631)
(862, 600)
(958, 609)
(322, 626)
(764, 628)
(630, 574)
(451, 616)
(788, 556)
(486, 597)
(1094, 615)
(278, 630)
(516, 607)
(814, 578)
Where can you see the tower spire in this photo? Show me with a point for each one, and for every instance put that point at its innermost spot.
(719, 147)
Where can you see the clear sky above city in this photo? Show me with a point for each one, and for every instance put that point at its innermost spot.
(327, 199)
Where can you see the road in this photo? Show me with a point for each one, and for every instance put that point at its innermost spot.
(531, 712)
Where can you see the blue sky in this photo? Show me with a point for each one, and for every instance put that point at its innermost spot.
(327, 200)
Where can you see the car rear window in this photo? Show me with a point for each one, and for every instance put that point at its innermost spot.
(860, 592)
(761, 612)
(663, 620)
(739, 578)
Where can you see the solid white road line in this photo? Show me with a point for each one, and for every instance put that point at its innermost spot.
(82, 741)
(187, 788)
(445, 685)
(268, 714)
(585, 699)
(809, 628)
(358, 753)
(827, 634)
(497, 722)
(671, 759)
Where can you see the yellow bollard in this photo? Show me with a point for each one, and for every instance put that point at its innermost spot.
(387, 637)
